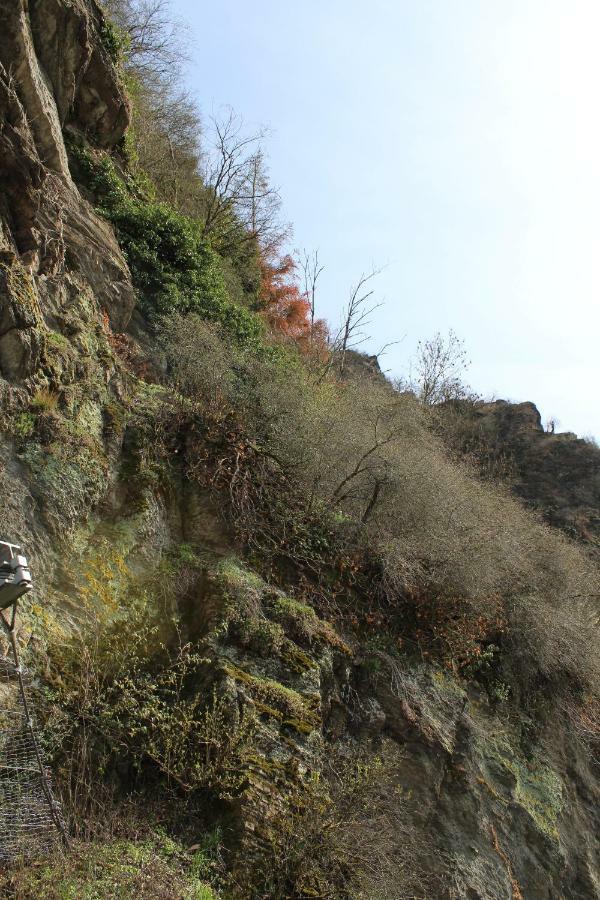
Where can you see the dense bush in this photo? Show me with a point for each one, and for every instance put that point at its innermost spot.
(172, 267)
(347, 836)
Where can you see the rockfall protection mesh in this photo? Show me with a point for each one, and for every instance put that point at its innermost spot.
(31, 820)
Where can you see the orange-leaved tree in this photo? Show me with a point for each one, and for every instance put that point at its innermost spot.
(286, 308)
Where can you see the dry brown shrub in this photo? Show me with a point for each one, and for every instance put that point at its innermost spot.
(363, 458)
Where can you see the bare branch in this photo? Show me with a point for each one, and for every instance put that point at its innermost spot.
(356, 316)
(311, 270)
(240, 202)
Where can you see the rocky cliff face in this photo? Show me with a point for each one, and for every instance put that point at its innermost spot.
(557, 474)
(60, 265)
(472, 804)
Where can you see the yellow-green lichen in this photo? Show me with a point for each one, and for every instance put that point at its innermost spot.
(537, 788)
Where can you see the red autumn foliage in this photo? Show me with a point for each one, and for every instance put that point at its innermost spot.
(285, 307)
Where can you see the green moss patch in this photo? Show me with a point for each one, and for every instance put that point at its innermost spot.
(270, 692)
(301, 622)
(296, 659)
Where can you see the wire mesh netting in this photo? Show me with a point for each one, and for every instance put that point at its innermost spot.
(29, 813)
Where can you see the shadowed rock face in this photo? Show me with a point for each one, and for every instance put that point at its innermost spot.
(556, 473)
(86, 91)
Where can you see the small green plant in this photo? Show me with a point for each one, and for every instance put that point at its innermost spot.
(24, 425)
(115, 40)
(481, 662)
(499, 691)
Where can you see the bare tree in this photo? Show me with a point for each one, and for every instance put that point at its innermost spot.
(356, 317)
(311, 268)
(439, 366)
(260, 209)
(166, 121)
(238, 191)
(372, 471)
(156, 42)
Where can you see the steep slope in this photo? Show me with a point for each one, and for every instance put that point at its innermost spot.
(320, 738)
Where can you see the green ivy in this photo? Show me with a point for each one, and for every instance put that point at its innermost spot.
(115, 40)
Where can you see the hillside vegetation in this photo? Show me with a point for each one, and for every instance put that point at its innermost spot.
(299, 634)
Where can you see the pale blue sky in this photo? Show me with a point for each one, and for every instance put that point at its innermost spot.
(457, 143)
